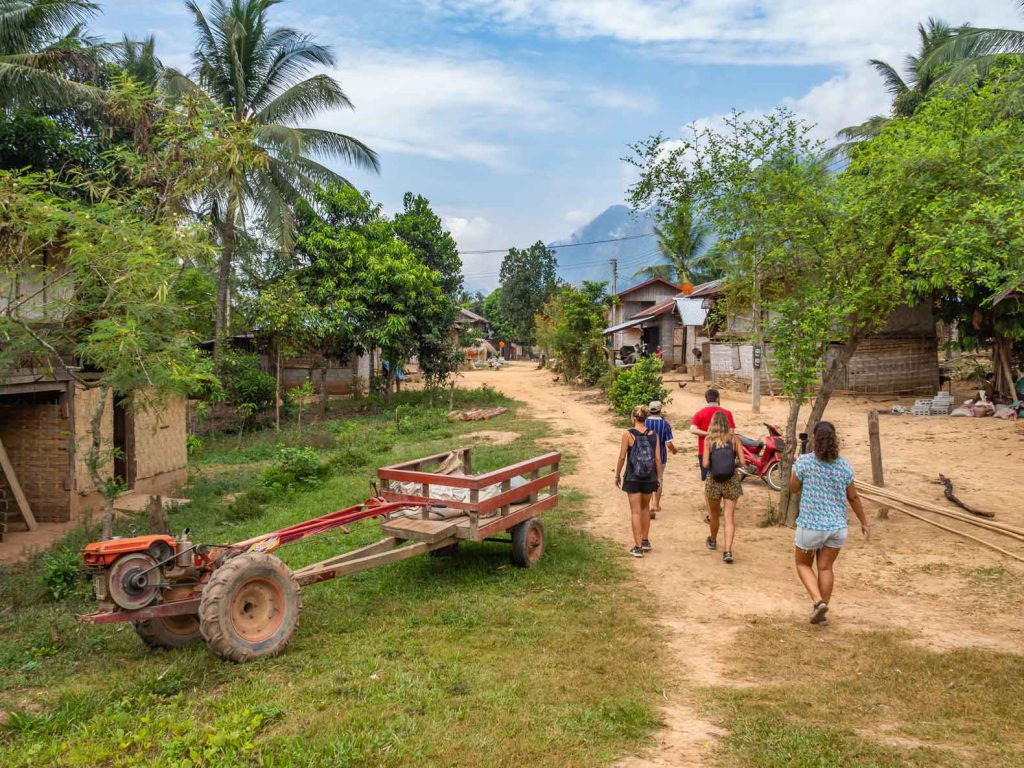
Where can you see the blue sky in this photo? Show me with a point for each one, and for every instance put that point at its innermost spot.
(511, 116)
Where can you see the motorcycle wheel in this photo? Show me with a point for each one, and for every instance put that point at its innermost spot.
(774, 476)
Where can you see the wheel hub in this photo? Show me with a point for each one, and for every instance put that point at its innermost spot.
(257, 610)
(133, 581)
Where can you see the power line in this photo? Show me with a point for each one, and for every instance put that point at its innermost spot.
(567, 245)
(632, 261)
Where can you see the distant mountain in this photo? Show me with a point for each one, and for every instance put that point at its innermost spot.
(593, 262)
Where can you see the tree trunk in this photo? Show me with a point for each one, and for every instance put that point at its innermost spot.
(390, 381)
(92, 462)
(357, 391)
(277, 390)
(227, 254)
(323, 390)
(833, 378)
(789, 503)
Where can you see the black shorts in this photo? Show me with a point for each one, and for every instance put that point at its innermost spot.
(639, 486)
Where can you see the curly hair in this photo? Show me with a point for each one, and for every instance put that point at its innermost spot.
(826, 443)
(640, 413)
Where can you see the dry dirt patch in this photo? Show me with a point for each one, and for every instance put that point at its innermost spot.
(493, 436)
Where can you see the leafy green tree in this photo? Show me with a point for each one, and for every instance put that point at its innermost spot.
(967, 55)
(944, 192)
(764, 185)
(685, 245)
(570, 326)
(110, 308)
(280, 314)
(366, 287)
(638, 385)
(527, 280)
(501, 327)
(45, 56)
(256, 73)
(924, 71)
(423, 232)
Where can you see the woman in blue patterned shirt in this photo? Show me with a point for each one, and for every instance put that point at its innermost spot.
(826, 479)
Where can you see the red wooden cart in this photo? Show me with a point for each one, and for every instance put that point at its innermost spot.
(245, 603)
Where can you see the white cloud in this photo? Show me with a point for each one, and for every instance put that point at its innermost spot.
(472, 234)
(739, 31)
(450, 106)
(847, 99)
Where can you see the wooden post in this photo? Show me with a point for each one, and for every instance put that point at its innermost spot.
(877, 477)
(19, 496)
(158, 520)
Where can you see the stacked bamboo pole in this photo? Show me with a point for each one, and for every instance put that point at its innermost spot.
(907, 504)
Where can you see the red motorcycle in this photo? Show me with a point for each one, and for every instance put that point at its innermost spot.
(763, 457)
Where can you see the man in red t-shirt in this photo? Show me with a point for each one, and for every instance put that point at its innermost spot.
(699, 426)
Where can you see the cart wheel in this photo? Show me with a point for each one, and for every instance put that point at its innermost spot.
(250, 608)
(169, 631)
(774, 476)
(527, 543)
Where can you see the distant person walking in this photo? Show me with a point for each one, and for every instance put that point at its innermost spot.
(639, 453)
(826, 479)
(659, 426)
(723, 452)
(699, 426)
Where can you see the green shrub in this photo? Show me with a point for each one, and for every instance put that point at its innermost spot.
(248, 506)
(294, 467)
(594, 365)
(637, 386)
(62, 572)
(243, 380)
(194, 444)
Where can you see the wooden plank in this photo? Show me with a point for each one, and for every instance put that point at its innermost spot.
(437, 457)
(875, 442)
(411, 476)
(417, 529)
(320, 572)
(23, 389)
(522, 468)
(510, 496)
(412, 498)
(370, 549)
(19, 496)
(486, 528)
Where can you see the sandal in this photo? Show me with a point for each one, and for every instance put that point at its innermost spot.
(820, 609)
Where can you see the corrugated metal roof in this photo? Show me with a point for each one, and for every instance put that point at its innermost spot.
(627, 324)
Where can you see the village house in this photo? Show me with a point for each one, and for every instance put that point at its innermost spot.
(901, 358)
(645, 316)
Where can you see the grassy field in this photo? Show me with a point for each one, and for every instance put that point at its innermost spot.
(867, 700)
(461, 661)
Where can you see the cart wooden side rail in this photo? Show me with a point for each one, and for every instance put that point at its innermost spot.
(484, 516)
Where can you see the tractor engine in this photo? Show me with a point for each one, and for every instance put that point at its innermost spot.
(129, 574)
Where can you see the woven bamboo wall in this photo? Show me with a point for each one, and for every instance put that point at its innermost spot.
(894, 365)
(160, 445)
(85, 403)
(36, 435)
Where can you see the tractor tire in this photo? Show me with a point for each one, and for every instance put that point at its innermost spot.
(250, 608)
(527, 543)
(169, 631)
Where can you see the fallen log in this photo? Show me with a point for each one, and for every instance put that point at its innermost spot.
(478, 414)
(945, 481)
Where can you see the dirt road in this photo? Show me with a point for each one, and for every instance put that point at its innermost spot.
(890, 582)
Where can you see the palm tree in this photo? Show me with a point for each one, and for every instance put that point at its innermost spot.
(45, 54)
(970, 52)
(923, 73)
(683, 242)
(138, 60)
(256, 73)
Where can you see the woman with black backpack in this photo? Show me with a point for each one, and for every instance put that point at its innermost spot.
(723, 453)
(640, 446)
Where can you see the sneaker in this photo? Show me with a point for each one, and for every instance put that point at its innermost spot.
(727, 557)
(712, 544)
(645, 545)
(636, 552)
(818, 615)
(654, 514)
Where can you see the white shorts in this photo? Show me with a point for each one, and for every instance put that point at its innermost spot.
(811, 541)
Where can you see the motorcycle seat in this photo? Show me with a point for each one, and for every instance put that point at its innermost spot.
(747, 442)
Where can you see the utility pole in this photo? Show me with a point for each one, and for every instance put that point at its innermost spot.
(756, 362)
(615, 315)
